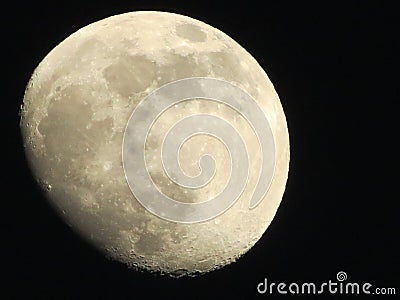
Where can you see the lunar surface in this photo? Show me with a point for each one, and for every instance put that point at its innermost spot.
(74, 116)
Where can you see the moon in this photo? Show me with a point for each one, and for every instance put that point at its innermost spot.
(99, 112)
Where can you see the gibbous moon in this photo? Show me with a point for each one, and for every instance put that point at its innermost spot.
(158, 139)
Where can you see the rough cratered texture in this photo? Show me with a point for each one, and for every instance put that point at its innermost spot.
(75, 110)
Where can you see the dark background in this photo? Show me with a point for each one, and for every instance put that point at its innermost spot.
(333, 65)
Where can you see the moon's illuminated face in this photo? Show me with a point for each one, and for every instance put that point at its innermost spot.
(180, 187)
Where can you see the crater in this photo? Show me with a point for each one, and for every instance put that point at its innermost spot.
(224, 64)
(89, 49)
(179, 67)
(191, 32)
(130, 74)
(65, 128)
(149, 243)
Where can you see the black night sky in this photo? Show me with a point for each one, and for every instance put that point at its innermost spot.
(334, 67)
